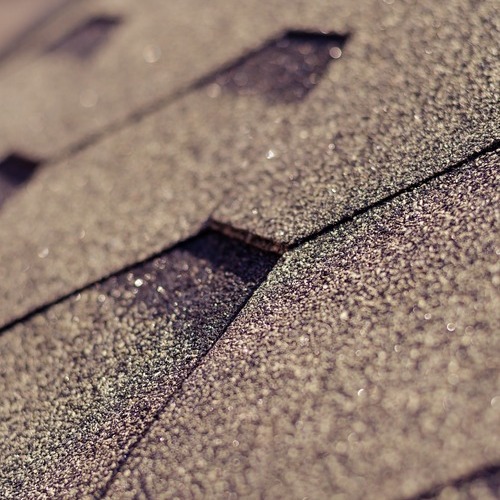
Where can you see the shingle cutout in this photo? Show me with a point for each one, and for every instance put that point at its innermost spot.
(15, 170)
(95, 369)
(285, 69)
(86, 39)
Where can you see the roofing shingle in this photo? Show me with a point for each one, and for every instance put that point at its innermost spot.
(19, 17)
(82, 381)
(159, 49)
(417, 91)
(280, 172)
(362, 367)
(130, 196)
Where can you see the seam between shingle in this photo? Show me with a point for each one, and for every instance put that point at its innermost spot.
(481, 473)
(44, 307)
(101, 493)
(26, 33)
(265, 244)
(252, 239)
(163, 102)
(281, 247)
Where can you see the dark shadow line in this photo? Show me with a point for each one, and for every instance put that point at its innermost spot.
(408, 189)
(47, 305)
(101, 493)
(195, 85)
(281, 247)
(482, 473)
(266, 244)
(203, 230)
(65, 43)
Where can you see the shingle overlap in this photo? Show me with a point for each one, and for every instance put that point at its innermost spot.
(362, 367)
(82, 381)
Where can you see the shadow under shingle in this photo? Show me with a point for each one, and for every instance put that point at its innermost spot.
(82, 382)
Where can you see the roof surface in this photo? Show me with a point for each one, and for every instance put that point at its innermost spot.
(362, 366)
(251, 252)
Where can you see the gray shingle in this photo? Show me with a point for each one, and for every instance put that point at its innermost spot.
(159, 49)
(131, 195)
(19, 17)
(83, 380)
(415, 92)
(270, 168)
(363, 366)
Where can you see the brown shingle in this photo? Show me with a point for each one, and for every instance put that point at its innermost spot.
(160, 48)
(82, 381)
(363, 366)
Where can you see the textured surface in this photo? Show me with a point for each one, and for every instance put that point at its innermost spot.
(415, 92)
(17, 19)
(363, 366)
(83, 380)
(284, 70)
(149, 57)
(280, 171)
(130, 196)
(366, 366)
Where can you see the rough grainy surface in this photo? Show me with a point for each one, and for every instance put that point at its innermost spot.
(159, 48)
(416, 91)
(131, 195)
(363, 367)
(279, 171)
(81, 381)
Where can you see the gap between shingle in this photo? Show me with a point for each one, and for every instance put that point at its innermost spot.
(264, 244)
(485, 473)
(210, 77)
(87, 38)
(38, 24)
(281, 247)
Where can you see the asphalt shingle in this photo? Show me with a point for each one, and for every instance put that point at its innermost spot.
(159, 48)
(416, 92)
(128, 197)
(277, 170)
(83, 380)
(362, 367)
(19, 17)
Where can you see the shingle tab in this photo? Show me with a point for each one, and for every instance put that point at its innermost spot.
(279, 172)
(415, 92)
(83, 380)
(363, 366)
(128, 197)
(160, 49)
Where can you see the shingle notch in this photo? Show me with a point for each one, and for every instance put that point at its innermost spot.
(109, 358)
(285, 69)
(15, 170)
(87, 38)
